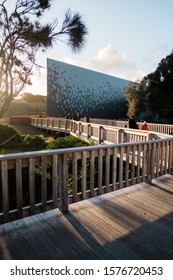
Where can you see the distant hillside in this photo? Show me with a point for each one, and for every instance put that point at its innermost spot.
(26, 105)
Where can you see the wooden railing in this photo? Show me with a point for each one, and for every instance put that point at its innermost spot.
(156, 127)
(102, 134)
(34, 182)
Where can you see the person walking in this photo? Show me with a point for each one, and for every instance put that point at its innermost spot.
(144, 126)
(132, 122)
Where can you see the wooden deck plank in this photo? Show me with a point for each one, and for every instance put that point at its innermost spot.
(18, 247)
(50, 247)
(145, 230)
(127, 245)
(73, 246)
(157, 223)
(94, 224)
(83, 234)
(146, 247)
(141, 215)
(86, 237)
(131, 223)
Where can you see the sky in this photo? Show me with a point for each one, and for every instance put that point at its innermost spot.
(126, 38)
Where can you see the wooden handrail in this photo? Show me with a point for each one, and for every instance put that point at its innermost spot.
(42, 180)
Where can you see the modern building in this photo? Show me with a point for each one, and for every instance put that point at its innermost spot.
(72, 89)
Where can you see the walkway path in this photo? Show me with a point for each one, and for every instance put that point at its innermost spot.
(131, 223)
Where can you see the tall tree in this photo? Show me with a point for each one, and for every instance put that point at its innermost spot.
(133, 98)
(159, 86)
(153, 95)
(22, 35)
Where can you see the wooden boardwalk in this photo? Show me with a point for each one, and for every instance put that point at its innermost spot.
(131, 223)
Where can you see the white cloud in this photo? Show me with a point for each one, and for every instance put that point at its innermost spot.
(108, 60)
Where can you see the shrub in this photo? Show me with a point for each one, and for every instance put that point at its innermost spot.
(66, 142)
(34, 141)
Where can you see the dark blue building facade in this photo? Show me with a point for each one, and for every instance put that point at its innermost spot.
(73, 89)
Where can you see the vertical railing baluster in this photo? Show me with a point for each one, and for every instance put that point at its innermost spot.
(133, 166)
(138, 163)
(84, 177)
(127, 166)
(92, 172)
(44, 183)
(19, 196)
(55, 180)
(107, 170)
(100, 170)
(5, 190)
(152, 160)
(114, 170)
(121, 151)
(65, 182)
(75, 176)
(32, 185)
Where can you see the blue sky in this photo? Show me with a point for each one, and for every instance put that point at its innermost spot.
(127, 38)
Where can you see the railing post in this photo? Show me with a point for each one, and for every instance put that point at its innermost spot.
(75, 126)
(5, 190)
(59, 124)
(62, 176)
(149, 163)
(80, 128)
(71, 125)
(53, 123)
(100, 134)
(120, 135)
(88, 131)
(66, 124)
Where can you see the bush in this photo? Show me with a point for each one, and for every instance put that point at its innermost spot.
(19, 143)
(27, 142)
(66, 142)
(34, 141)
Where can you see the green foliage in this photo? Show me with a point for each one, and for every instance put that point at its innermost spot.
(133, 97)
(7, 132)
(37, 141)
(12, 141)
(27, 142)
(153, 95)
(66, 142)
(159, 85)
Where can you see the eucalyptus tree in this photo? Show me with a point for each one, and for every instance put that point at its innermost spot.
(22, 35)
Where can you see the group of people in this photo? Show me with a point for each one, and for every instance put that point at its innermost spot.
(133, 124)
(76, 117)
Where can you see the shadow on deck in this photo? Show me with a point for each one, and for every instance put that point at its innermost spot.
(131, 223)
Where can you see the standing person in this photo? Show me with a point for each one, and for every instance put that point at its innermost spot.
(144, 126)
(132, 122)
(77, 116)
(86, 117)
